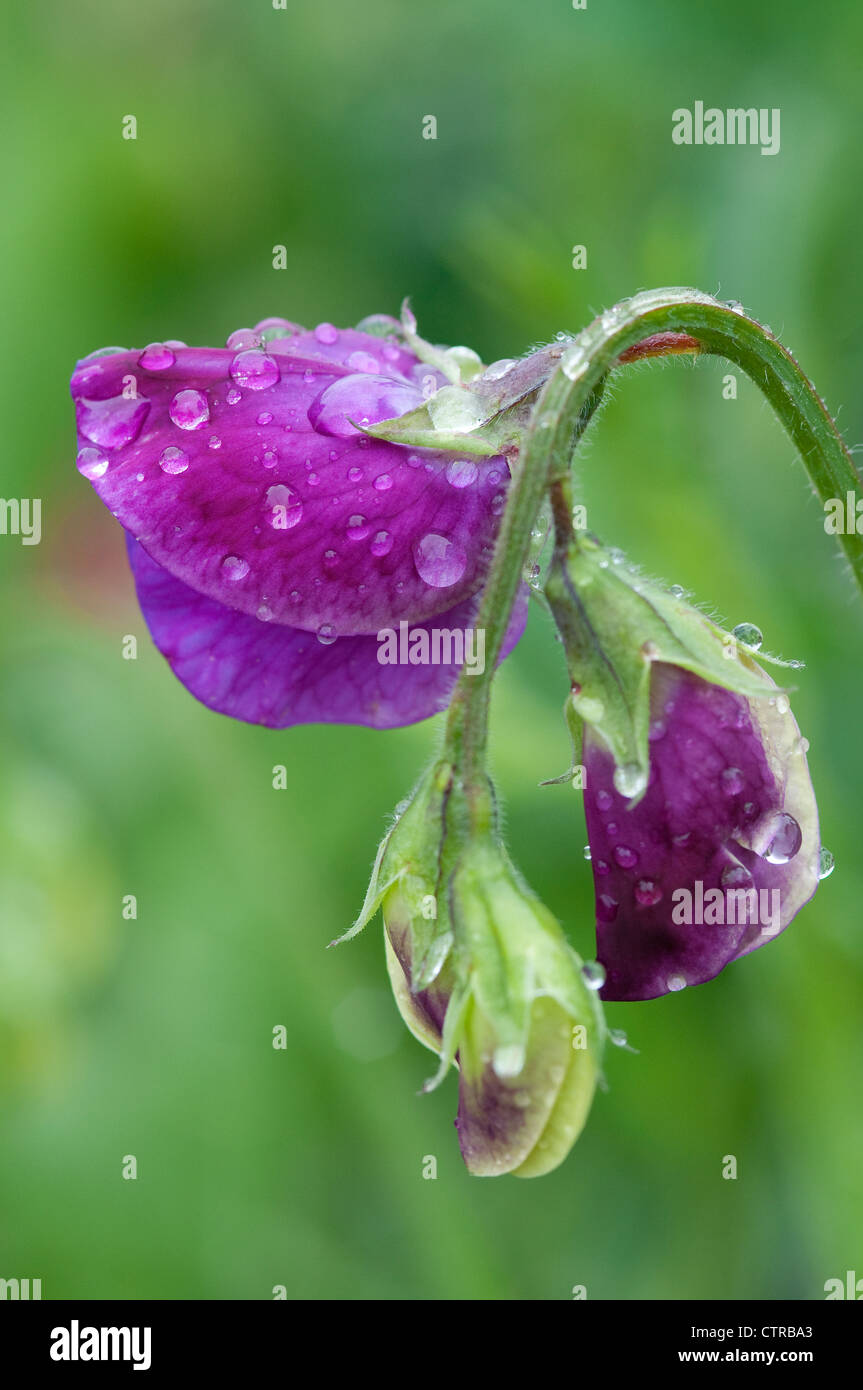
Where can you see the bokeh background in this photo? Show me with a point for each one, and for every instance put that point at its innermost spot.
(152, 1037)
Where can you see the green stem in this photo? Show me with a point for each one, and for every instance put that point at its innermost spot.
(562, 413)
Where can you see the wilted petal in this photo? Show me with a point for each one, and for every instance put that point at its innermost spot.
(242, 474)
(254, 669)
(729, 811)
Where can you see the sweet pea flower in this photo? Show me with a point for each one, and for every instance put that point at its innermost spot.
(271, 540)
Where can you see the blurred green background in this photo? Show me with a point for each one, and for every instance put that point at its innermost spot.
(152, 1037)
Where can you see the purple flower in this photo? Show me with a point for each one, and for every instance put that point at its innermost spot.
(719, 853)
(271, 540)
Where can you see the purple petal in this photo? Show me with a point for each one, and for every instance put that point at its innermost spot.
(242, 474)
(265, 673)
(729, 812)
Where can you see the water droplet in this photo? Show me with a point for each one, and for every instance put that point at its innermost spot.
(331, 558)
(658, 729)
(363, 362)
(508, 1060)
(735, 876)
(414, 461)
(749, 635)
(112, 423)
(573, 363)
(676, 983)
(313, 480)
(156, 357)
(234, 568)
(264, 613)
(265, 418)
(358, 528)
(630, 779)
(453, 408)
(241, 339)
(214, 442)
(496, 370)
(617, 1037)
(593, 974)
(382, 543)
(327, 333)
(735, 306)
(361, 399)
(606, 908)
(624, 856)
(647, 893)
(173, 460)
(587, 853)
(92, 463)
(255, 370)
(604, 800)
(284, 506)
(383, 483)
(270, 458)
(733, 781)
(233, 396)
(326, 634)
(783, 704)
(189, 410)
(497, 504)
(462, 472)
(440, 562)
(784, 838)
(677, 591)
(826, 863)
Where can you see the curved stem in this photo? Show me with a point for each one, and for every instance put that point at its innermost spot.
(655, 323)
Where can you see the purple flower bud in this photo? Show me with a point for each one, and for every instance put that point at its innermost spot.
(271, 540)
(719, 853)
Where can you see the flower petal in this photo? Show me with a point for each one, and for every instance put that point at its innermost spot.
(244, 473)
(727, 830)
(256, 670)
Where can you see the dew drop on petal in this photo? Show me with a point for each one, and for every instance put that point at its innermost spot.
(784, 838)
(326, 634)
(214, 442)
(735, 876)
(284, 506)
(255, 370)
(383, 483)
(234, 568)
(594, 975)
(826, 863)
(242, 339)
(233, 396)
(462, 472)
(382, 543)
(327, 333)
(624, 856)
(358, 528)
(732, 781)
(676, 983)
(454, 408)
(606, 908)
(604, 800)
(440, 562)
(264, 613)
(173, 460)
(156, 357)
(92, 463)
(265, 418)
(362, 362)
(189, 410)
(647, 893)
(749, 635)
(112, 423)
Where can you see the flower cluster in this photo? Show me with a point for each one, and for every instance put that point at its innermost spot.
(293, 496)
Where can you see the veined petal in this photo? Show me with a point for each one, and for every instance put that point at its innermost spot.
(256, 670)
